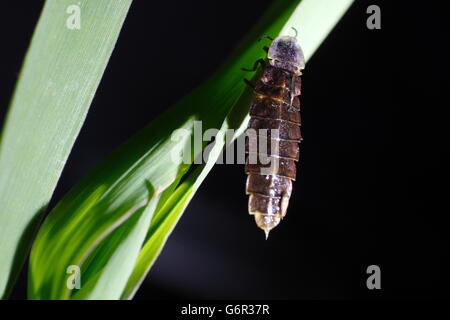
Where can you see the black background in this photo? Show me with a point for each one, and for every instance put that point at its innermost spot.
(371, 187)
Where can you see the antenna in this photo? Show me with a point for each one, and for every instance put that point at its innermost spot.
(296, 32)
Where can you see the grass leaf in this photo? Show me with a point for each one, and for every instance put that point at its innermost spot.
(85, 222)
(57, 83)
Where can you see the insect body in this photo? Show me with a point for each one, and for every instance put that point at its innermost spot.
(276, 108)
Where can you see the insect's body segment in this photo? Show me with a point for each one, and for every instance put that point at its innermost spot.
(276, 106)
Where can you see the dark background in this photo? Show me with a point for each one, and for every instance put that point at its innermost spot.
(370, 189)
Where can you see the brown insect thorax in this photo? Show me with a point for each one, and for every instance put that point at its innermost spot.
(273, 134)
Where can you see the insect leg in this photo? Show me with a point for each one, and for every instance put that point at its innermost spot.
(255, 66)
(251, 85)
(266, 37)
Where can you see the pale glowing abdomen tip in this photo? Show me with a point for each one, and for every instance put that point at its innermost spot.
(266, 222)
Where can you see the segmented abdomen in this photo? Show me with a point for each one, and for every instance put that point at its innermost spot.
(276, 106)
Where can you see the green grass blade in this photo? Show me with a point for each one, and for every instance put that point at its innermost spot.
(118, 189)
(60, 75)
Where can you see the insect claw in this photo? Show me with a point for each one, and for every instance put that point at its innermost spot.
(266, 37)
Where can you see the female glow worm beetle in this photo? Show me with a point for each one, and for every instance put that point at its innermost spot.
(276, 106)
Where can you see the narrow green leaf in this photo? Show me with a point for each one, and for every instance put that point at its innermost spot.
(117, 190)
(60, 75)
